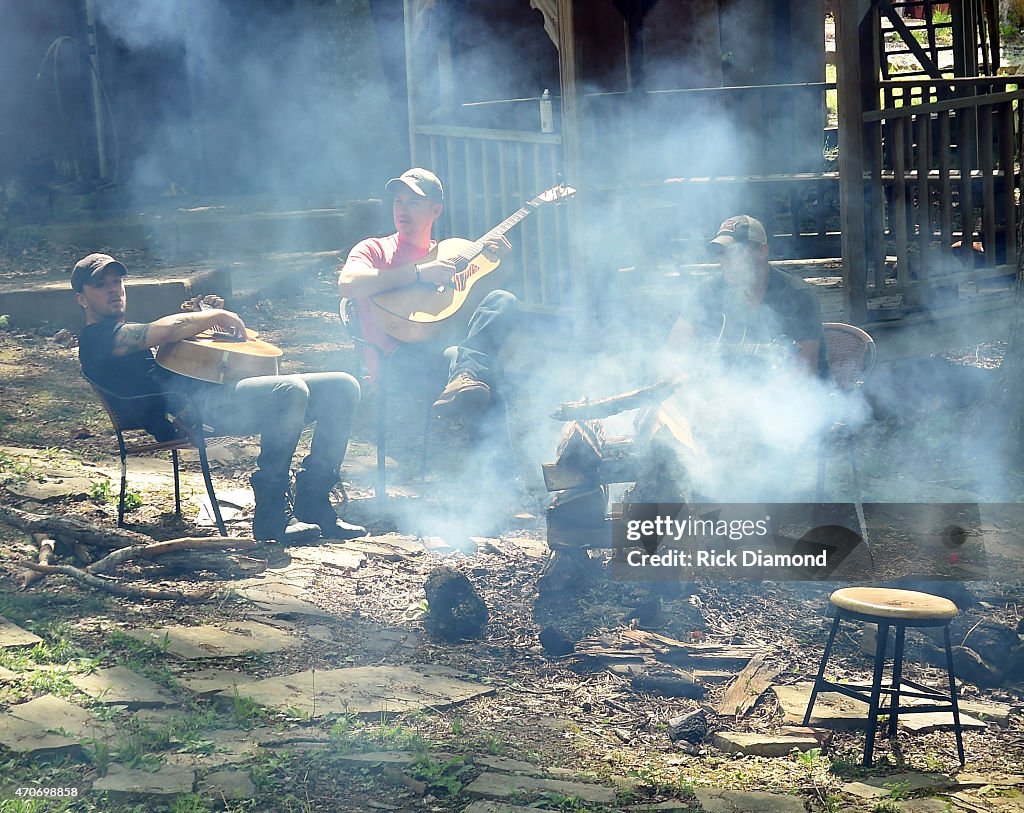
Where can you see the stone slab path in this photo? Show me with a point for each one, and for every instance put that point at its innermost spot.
(120, 685)
(227, 640)
(363, 690)
(11, 635)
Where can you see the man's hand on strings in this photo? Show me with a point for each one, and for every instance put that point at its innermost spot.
(496, 248)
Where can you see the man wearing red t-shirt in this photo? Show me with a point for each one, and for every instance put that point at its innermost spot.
(384, 263)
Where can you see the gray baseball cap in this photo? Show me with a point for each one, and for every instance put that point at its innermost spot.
(421, 181)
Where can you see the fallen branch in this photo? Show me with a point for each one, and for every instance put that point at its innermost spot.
(151, 550)
(46, 547)
(117, 588)
(84, 532)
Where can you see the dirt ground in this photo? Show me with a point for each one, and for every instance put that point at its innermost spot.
(552, 712)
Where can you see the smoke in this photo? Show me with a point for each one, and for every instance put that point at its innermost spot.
(264, 98)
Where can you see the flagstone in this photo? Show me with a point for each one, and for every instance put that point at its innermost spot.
(879, 786)
(998, 713)
(227, 784)
(501, 786)
(966, 779)
(924, 722)
(166, 780)
(764, 745)
(226, 641)
(280, 599)
(723, 800)
(507, 765)
(831, 709)
(119, 684)
(24, 737)
(7, 676)
(331, 556)
(363, 690)
(13, 635)
(487, 806)
(210, 681)
(54, 714)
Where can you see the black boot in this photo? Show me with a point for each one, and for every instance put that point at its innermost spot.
(313, 504)
(272, 521)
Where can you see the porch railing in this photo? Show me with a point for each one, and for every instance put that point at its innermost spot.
(488, 174)
(941, 185)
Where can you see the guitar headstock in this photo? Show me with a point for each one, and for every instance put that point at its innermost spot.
(556, 194)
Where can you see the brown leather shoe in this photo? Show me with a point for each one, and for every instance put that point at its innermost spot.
(463, 394)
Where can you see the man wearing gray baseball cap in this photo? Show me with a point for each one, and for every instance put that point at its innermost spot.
(118, 356)
(751, 302)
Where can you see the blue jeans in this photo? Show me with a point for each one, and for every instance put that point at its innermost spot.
(426, 366)
(277, 408)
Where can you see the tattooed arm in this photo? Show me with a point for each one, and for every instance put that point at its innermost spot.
(134, 336)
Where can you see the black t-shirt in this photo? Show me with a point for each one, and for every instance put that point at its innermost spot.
(139, 390)
(789, 312)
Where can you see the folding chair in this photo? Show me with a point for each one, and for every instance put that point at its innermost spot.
(851, 356)
(385, 386)
(182, 436)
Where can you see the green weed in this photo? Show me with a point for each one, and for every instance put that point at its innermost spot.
(443, 779)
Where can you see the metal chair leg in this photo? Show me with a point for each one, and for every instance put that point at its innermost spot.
(876, 690)
(897, 675)
(177, 484)
(952, 696)
(821, 669)
(205, 465)
(124, 490)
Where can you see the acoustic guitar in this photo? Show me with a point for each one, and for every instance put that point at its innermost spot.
(420, 312)
(218, 355)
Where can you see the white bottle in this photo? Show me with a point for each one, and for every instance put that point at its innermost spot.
(547, 121)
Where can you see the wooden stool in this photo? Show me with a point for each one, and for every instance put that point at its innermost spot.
(900, 609)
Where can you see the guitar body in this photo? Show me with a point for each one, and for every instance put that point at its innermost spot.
(419, 313)
(219, 360)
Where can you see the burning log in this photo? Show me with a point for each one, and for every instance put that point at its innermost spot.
(606, 407)
(691, 728)
(456, 611)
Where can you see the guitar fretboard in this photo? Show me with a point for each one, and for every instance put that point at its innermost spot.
(462, 260)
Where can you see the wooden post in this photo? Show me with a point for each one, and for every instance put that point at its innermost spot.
(849, 16)
(568, 69)
(410, 80)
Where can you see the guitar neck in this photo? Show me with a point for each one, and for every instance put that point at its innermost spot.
(477, 246)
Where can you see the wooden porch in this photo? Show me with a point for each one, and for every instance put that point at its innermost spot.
(913, 216)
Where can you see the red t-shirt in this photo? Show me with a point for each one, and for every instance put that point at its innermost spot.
(382, 253)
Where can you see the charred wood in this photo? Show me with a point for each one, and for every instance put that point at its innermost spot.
(456, 611)
(692, 727)
(606, 407)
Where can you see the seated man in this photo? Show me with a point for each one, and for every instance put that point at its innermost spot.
(118, 356)
(381, 264)
(751, 304)
(751, 344)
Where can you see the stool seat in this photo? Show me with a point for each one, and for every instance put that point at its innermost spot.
(888, 602)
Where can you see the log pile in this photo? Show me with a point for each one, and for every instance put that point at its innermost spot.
(588, 461)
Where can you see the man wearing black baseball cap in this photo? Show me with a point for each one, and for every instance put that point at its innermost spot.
(118, 356)
(751, 302)
(381, 264)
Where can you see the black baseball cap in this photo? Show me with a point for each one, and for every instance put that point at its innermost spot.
(91, 269)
